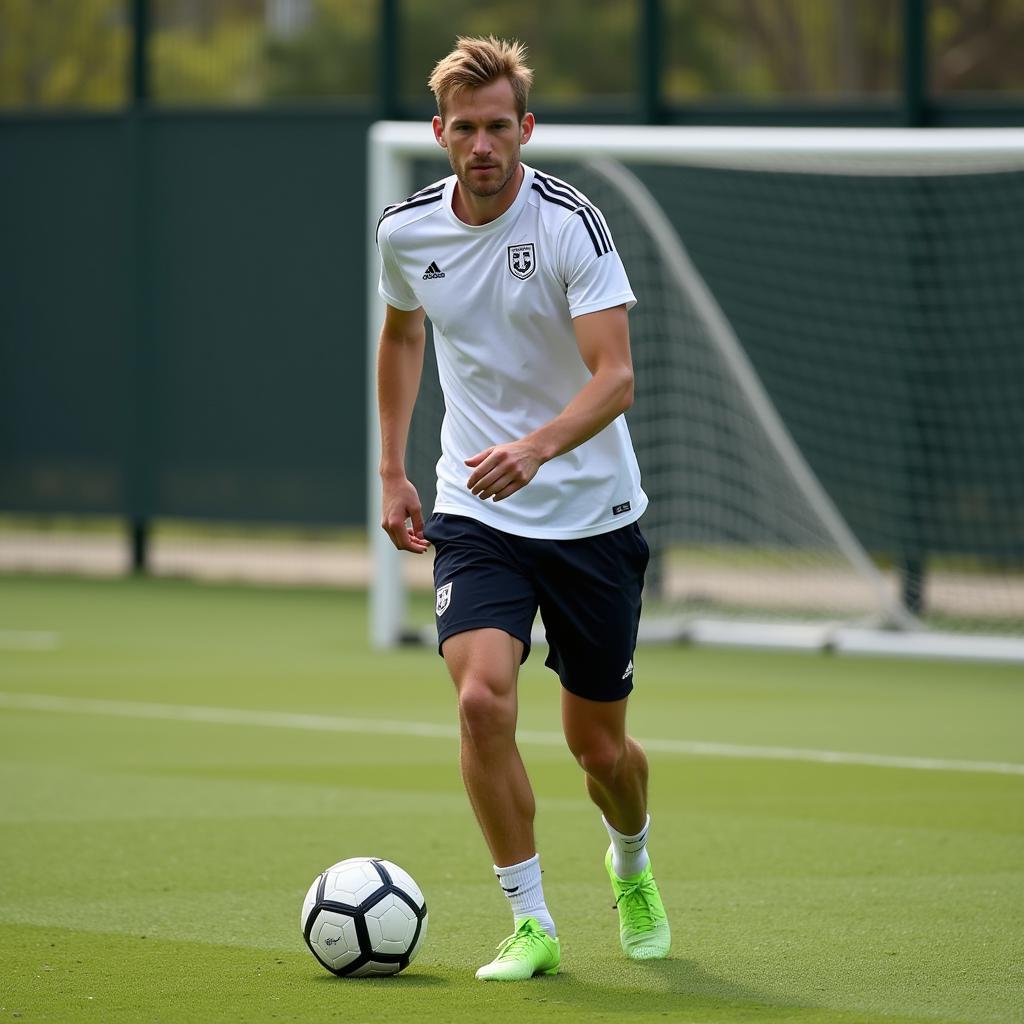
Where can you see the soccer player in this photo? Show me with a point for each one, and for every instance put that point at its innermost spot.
(538, 489)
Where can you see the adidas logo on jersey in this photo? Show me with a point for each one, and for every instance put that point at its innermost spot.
(432, 272)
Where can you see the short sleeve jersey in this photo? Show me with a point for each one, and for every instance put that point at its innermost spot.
(501, 297)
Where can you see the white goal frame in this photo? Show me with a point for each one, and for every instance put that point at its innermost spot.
(392, 146)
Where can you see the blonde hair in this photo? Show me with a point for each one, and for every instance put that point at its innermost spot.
(478, 61)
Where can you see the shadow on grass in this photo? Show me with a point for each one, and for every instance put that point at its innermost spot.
(403, 981)
(681, 990)
(676, 990)
(666, 986)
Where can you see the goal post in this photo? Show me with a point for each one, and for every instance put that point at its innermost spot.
(829, 400)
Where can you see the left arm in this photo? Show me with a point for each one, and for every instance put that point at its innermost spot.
(603, 340)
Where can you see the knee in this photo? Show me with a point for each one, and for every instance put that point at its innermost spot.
(601, 759)
(485, 711)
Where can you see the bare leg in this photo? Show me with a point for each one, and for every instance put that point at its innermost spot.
(484, 665)
(615, 764)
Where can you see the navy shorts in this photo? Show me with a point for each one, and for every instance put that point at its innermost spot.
(587, 590)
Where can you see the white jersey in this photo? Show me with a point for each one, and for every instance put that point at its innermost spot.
(501, 298)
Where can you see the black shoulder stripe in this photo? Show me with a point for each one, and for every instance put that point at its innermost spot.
(584, 212)
(563, 188)
(408, 205)
(551, 199)
(596, 221)
(429, 190)
(590, 231)
(561, 185)
(602, 227)
(586, 215)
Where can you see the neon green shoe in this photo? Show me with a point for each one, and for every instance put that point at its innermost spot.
(528, 952)
(643, 923)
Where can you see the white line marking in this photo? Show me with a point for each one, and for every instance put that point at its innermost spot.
(28, 640)
(392, 727)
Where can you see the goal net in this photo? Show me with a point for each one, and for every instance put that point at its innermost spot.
(829, 358)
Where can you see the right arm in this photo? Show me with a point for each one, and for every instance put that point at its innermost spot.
(399, 366)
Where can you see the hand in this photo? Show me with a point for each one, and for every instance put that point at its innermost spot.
(503, 469)
(401, 506)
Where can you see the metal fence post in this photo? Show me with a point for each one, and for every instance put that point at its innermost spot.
(650, 61)
(914, 557)
(915, 63)
(140, 463)
(388, 64)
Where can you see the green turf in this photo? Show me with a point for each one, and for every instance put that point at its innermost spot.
(153, 870)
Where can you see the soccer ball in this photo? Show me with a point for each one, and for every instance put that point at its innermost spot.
(364, 916)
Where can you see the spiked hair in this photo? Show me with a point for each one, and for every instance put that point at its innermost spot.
(479, 61)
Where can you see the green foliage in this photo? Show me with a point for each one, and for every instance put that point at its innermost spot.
(75, 52)
(63, 52)
(335, 55)
(221, 64)
(976, 46)
(797, 49)
(577, 48)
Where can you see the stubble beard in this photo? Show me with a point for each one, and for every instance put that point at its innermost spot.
(480, 190)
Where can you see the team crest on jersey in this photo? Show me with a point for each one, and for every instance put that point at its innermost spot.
(444, 598)
(522, 260)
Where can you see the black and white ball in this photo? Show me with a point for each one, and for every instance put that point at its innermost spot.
(364, 916)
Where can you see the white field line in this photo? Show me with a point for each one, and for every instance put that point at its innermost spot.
(28, 640)
(394, 727)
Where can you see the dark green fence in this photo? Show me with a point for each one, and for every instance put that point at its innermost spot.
(183, 317)
(68, 384)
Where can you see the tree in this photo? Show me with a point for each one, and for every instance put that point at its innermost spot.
(76, 52)
(977, 46)
(63, 53)
(334, 55)
(782, 49)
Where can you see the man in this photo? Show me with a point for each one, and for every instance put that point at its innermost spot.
(538, 486)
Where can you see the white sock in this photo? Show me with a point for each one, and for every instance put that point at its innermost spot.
(629, 853)
(522, 885)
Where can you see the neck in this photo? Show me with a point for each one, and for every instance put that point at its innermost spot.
(476, 210)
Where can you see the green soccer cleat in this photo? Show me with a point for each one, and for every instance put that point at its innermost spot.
(528, 952)
(643, 923)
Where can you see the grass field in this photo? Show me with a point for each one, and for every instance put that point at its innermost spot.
(152, 863)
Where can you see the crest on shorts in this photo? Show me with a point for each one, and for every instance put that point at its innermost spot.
(444, 598)
(522, 260)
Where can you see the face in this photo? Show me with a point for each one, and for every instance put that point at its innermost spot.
(483, 134)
